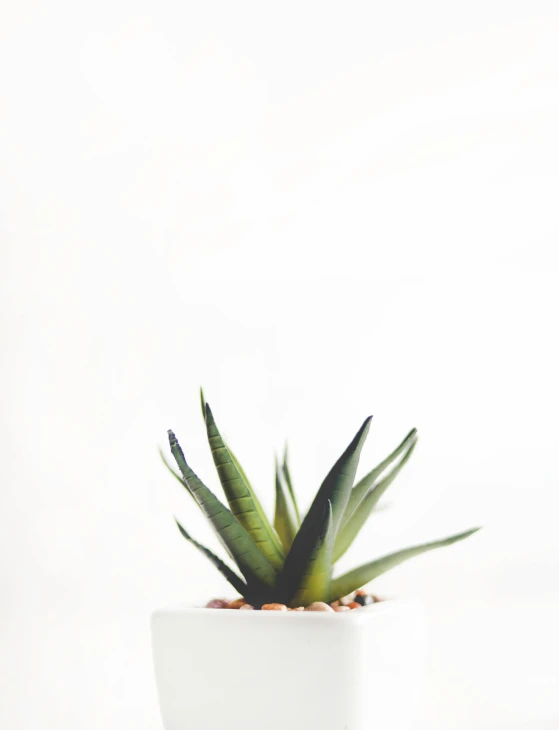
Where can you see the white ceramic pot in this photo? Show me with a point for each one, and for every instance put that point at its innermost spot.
(219, 669)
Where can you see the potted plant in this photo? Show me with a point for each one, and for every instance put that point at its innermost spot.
(304, 649)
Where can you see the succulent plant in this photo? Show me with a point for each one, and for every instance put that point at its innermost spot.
(291, 561)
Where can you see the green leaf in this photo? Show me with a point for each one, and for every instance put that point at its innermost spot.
(203, 403)
(252, 563)
(241, 471)
(284, 522)
(224, 569)
(314, 584)
(355, 579)
(170, 468)
(362, 487)
(240, 498)
(259, 507)
(350, 529)
(287, 476)
(335, 489)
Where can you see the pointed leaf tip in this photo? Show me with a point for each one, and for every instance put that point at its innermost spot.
(364, 430)
(208, 415)
(351, 528)
(224, 569)
(472, 531)
(361, 489)
(170, 468)
(284, 523)
(359, 577)
(335, 489)
(287, 476)
(202, 402)
(174, 444)
(181, 528)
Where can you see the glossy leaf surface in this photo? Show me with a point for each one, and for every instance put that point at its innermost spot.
(359, 577)
(350, 529)
(335, 490)
(240, 497)
(252, 563)
(314, 584)
(363, 485)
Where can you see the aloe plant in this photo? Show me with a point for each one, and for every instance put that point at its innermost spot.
(291, 560)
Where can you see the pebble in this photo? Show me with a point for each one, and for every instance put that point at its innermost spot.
(319, 606)
(363, 599)
(217, 603)
(359, 599)
(237, 603)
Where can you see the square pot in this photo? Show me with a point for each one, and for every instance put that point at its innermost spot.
(219, 669)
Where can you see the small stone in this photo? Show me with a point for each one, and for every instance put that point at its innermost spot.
(274, 607)
(217, 603)
(319, 606)
(299, 608)
(335, 605)
(237, 603)
(246, 607)
(339, 609)
(353, 605)
(363, 599)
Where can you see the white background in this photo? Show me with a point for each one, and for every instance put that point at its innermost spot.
(318, 211)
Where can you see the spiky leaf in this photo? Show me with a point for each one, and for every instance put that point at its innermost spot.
(350, 529)
(237, 463)
(363, 485)
(224, 569)
(170, 468)
(259, 507)
(203, 403)
(317, 572)
(357, 578)
(284, 522)
(335, 489)
(287, 476)
(252, 563)
(240, 497)
(241, 470)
